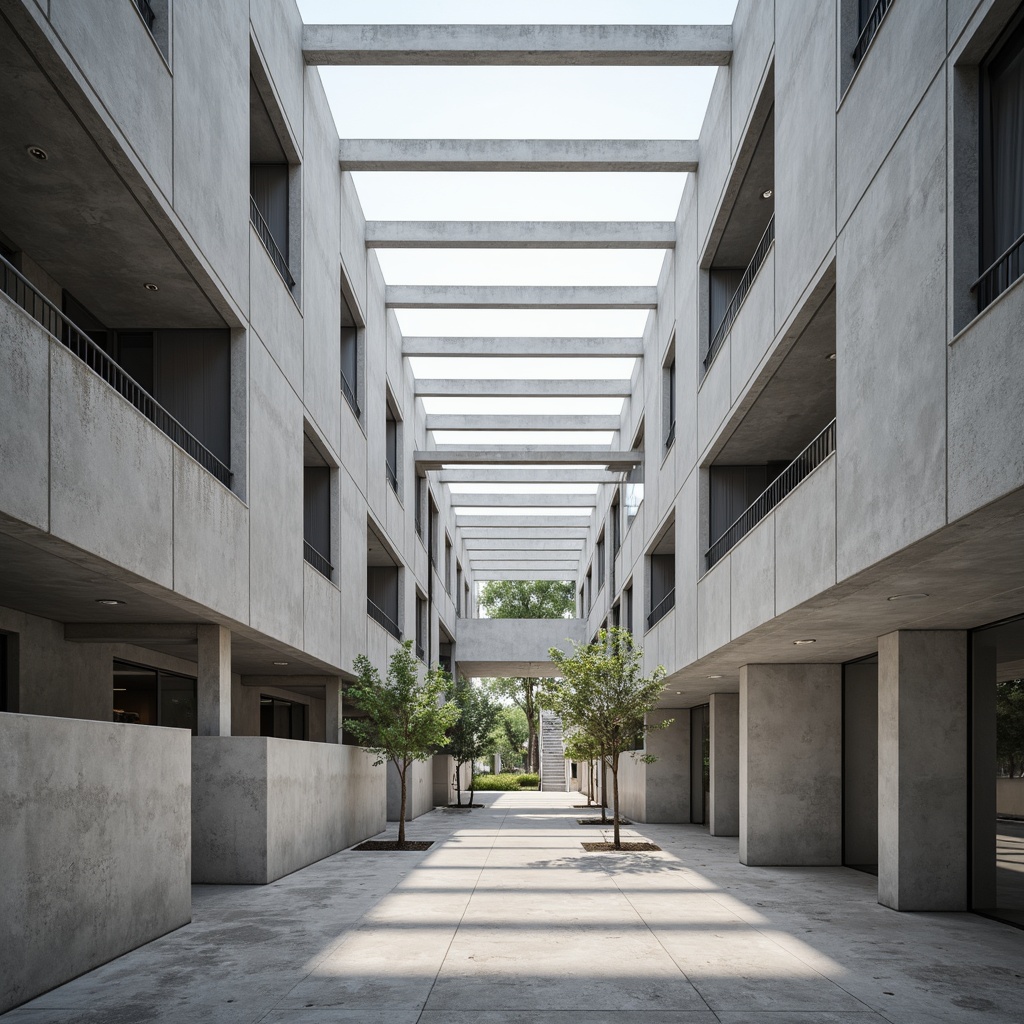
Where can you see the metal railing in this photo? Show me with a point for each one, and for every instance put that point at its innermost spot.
(671, 435)
(350, 396)
(270, 244)
(147, 12)
(392, 476)
(741, 293)
(794, 474)
(315, 559)
(420, 653)
(662, 608)
(20, 290)
(1003, 272)
(379, 615)
(870, 27)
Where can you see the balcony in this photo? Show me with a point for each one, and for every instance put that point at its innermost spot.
(661, 609)
(790, 478)
(77, 341)
(315, 559)
(868, 28)
(999, 276)
(267, 238)
(379, 615)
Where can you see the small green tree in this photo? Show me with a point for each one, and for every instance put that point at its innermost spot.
(470, 737)
(603, 693)
(510, 735)
(404, 721)
(579, 747)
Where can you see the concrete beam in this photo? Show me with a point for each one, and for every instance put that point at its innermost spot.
(513, 475)
(505, 348)
(525, 455)
(525, 574)
(518, 45)
(518, 564)
(523, 522)
(460, 388)
(506, 543)
(439, 421)
(468, 296)
(475, 234)
(519, 533)
(131, 632)
(508, 556)
(461, 500)
(672, 156)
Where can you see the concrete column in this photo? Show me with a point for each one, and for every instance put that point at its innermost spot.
(724, 812)
(922, 770)
(790, 726)
(214, 682)
(333, 710)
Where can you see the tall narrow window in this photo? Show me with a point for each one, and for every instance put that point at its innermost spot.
(458, 589)
(627, 598)
(599, 557)
(634, 489)
(447, 563)
(349, 357)
(421, 486)
(616, 524)
(421, 627)
(432, 536)
(1002, 165)
(316, 510)
(670, 403)
(391, 448)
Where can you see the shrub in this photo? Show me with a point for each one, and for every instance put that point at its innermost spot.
(528, 780)
(505, 782)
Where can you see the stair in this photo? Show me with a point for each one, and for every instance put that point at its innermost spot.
(552, 754)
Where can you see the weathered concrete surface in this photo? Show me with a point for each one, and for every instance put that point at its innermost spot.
(524, 234)
(502, 348)
(94, 842)
(262, 808)
(505, 918)
(419, 795)
(468, 296)
(630, 45)
(514, 647)
(724, 798)
(512, 155)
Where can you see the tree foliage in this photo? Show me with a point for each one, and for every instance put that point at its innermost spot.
(527, 599)
(510, 735)
(582, 749)
(1010, 727)
(471, 736)
(603, 694)
(403, 720)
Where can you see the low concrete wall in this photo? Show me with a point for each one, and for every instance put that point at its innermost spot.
(263, 807)
(419, 790)
(1010, 798)
(94, 845)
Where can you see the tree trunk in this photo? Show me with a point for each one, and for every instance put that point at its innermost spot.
(531, 747)
(458, 784)
(604, 791)
(615, 801)
(402, 772)
(590, 783)
(472, 786)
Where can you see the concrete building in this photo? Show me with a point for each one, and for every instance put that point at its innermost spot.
(218, 481)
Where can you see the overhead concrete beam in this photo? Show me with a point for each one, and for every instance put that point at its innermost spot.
(673, 156)
(518, 45)
(526, 566)
(517, 543)
(514, 475)
(440, 421)
(462, 500)
(523, 522)
(477, 234)
(525, 455)
(523, 554)
(468, 296)
(518, 532)
(131, 632)
(460, 388)
(525, 574)
(505, 348)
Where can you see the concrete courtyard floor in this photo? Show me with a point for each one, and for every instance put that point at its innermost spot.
(507, 919)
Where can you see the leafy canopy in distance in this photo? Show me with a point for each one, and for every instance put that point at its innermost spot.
(1010, 727)
(470, 737)
(403, 720)
(603, 694)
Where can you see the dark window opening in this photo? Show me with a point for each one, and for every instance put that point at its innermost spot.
(627, 599)
(283, 719)
(418, 510)
(447, 563)
(1002, 166)
(383, 578)
(149, 696)
(421, 627)
(317, 518)
(350, 357)
(269, 184)
(616, 522)
(869, 17)
(432, 538)
(5, 692)
(600, 559)
(391, 448)
(670, 398)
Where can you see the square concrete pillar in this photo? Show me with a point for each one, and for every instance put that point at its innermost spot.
(724, 812)
(922, 770)
(791, 797)
(214, 681)
(332, 710)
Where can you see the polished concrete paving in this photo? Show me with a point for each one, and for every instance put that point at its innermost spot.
(506, 919)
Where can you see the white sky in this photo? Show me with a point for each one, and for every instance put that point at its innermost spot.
(519, 102)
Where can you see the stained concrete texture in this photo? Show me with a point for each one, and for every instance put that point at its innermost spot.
(506, 919)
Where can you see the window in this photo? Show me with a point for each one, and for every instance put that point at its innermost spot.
(283, 719)
(447, 563)
(350, 338)
(458, 589)
(616, 524)
(383, 572)
(599, 558)
(869, 17)
(670, 403)
(634, 489)
(589, 588)
(391, 446)
(432, 538)
(1002, 165)
(661, 565)
(149, 696)
(316, 509)
(421, 627)
(627, 600)
(6, 703)
(421, 486)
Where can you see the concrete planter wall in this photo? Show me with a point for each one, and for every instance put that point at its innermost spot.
(262, 807)
(95, 845)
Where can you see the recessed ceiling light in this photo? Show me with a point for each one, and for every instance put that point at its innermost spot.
(37, 151)
(108, 601)
(281, 663)
(679, 693)
(150, 287)
(832, 356)
(906, 597)
(800, 643)
(766, 194)
(714, 677)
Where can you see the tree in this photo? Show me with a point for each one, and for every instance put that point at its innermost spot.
(404, 721)
(604, 695)
(1010, 727)
(579, 747)
(510, 735)
(527, 599)
(470, 737)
